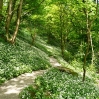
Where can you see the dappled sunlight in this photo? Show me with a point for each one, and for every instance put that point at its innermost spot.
(13, 87)
(54, 62)
(71, 66)
(11, 90)
(50, 50)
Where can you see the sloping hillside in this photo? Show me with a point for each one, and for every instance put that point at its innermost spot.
(24, 57)
(20, 58)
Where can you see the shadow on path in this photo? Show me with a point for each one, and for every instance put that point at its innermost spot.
(12, 88)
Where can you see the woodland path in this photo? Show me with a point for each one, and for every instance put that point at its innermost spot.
(12, 88)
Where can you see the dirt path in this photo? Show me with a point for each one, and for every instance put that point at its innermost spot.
(12, 88)
(54, 62)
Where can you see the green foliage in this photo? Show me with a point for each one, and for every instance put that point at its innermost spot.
(49, 49)
(60, 85)
(76, 64)
(67, 70)
(20, 58)
(56, 19)
(67, 56)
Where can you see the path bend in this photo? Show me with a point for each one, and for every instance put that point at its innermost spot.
(12, 88)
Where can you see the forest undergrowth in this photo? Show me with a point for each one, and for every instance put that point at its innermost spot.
(54, 84)
(20, 58)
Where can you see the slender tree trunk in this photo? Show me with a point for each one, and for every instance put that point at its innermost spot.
(62, 43)
(89, 43)
(49, 35)
(88, 26)
(92, 49)
(62, 50)
(10, 12)
(93, 55)
(1, 5)
(61, 31)
(33, 36)
(8, 20)
(18, 21)
(13, 8)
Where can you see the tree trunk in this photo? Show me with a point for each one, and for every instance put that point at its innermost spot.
(61, 41)
(18, 21)
(88, 27)
(1, 5)
(93, 55)
(8, 20)
(92, 49)
(33, 36)
(89, 43)
(13, 7)
(10, 11)
(61, 31)
(49, 34)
